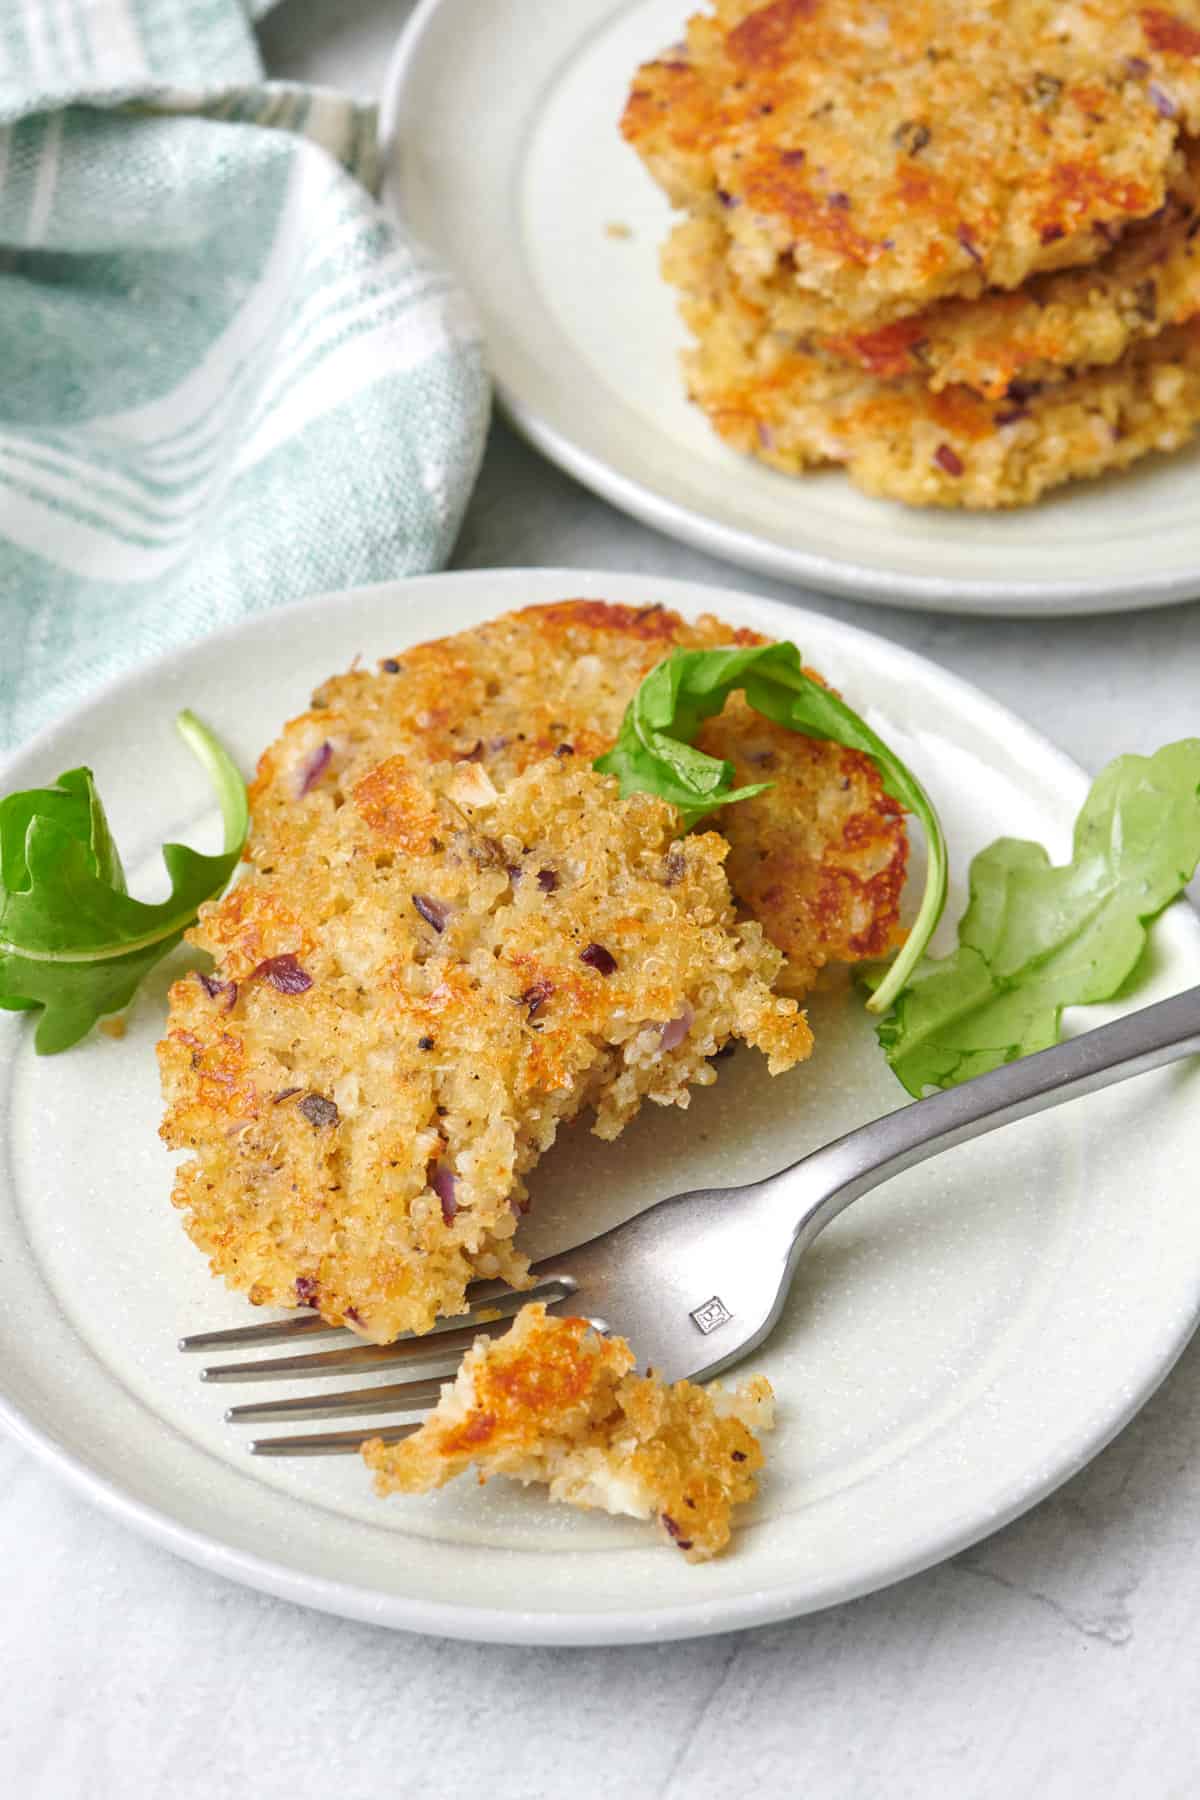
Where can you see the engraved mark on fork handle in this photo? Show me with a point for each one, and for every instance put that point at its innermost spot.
(711, 1316)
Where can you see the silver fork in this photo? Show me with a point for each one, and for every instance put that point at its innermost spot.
(698, 1280)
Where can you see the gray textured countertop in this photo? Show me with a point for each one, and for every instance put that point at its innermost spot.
(1055, 1660)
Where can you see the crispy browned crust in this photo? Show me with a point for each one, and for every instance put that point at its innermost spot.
(1054, 324)
(879, 160)
(554, 1402)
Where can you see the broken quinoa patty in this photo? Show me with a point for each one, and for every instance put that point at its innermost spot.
(878, 159)
(819, 859)
(418, 980)
(551, 1401)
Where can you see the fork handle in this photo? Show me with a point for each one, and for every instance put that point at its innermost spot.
(854, 1164)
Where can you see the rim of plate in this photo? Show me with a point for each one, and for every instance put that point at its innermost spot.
(490, 1624)
(842, 576)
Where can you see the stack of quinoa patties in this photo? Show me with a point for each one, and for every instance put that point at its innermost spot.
(952, 245)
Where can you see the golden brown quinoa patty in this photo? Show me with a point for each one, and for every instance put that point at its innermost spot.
(417, 982)
(1056, 323)
(796, 411)
(878, 159)
(553, 1402)
(819, 859)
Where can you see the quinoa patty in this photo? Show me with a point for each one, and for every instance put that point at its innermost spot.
(1056, 324)
(553, 1402)
(878, 159)
(417, 982)
(795, 410)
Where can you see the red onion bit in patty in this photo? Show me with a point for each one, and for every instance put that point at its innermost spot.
(284, 974)
(445, 1185)
(948, 459)
(432, 911)
(307, 1289)
(312, 769)
(598, 958)
(674, 1031)
(1162, 102)
(535, 997)
(675, 1531)
(225, 991)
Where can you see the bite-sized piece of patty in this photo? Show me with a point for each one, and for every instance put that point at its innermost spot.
(819, 859)
(414, 988)
(796, 411)
(551, 1401)
(881, 158)
(1055, 324)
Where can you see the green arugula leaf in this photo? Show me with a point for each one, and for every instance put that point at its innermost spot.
(654, 753)
(1035, 938)
(72, 940)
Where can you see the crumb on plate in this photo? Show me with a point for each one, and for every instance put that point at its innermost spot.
(552, 1401)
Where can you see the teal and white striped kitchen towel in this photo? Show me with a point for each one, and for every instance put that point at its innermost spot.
(228, 379)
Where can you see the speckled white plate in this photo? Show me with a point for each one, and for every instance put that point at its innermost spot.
(958, 1342)
(503, 153)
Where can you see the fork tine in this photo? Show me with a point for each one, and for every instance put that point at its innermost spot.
(307, 1325)
(442, 1349)
(358, 1359)
(394, 1396)
(489, 1300)
(329, 1443)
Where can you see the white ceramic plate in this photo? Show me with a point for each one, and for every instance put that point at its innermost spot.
(958, 1343)
(503, 152)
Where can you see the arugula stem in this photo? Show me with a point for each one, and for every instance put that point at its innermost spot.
(223, 773)
(930, 911)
